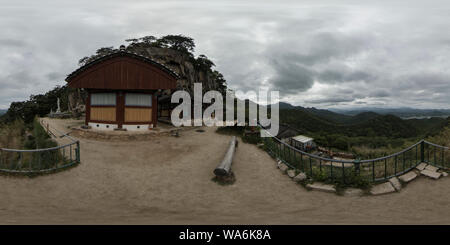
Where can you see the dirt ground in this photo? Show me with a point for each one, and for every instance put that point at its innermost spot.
(168, 181)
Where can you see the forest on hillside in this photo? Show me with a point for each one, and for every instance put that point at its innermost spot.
(366, 134)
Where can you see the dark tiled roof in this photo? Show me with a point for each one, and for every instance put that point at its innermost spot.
(122, 53)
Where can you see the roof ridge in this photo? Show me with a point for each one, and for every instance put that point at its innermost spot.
(121, 52)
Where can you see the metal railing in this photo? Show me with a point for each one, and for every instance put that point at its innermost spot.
(15, 161)
(350, 171)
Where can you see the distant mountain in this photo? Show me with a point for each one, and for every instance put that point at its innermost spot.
(284, 105)
(330, 116)
(359, 123)
(431, 126)
(380, 125)
(362, 117)
(2, 111)
(400, 112)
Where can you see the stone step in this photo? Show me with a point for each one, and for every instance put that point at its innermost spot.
(431, 174)
(383, 188)
(291, 173)
(408, 177)
(321, 187)
(283, 167)
(300, 177)
(431, 168)
(395, 183)
(421, 166)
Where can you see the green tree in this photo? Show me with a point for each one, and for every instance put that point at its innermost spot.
(37, 105)
(177, 42)
(203, 62)
(100, 52)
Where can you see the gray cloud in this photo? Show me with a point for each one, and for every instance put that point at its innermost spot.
(315, 53)
(380, 93)
(12, 42)
(330, 100)
(291, 78)
(342, 76)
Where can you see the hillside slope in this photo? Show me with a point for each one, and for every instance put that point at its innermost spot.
(400, 112)
(380, 125)
(363, 123)
(441, 137)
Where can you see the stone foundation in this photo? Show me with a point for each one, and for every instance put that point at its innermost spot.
(122, 135)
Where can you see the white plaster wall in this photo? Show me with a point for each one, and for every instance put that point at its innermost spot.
(142, 127)
(103, 126)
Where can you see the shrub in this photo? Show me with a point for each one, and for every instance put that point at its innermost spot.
(40, 138)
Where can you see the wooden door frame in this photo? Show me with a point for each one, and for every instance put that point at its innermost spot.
(120, 106)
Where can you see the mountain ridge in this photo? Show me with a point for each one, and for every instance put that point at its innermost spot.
(362, 124)
(403, 112)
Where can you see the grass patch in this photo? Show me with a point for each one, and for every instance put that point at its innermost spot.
(32, 164)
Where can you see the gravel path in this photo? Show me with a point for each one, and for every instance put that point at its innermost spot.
(168, 181)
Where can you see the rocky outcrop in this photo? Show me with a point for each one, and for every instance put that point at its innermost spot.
(184, 65)
(76, 102)
(189, 69)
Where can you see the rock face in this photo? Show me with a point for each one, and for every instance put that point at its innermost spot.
(183, 65)
(76, 103)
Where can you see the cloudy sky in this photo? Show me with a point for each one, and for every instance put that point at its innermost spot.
(316, 53)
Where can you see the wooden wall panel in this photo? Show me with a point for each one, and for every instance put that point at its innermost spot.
(138, 114)
(103, 114)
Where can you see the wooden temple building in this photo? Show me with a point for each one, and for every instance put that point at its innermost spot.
(123, 90)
